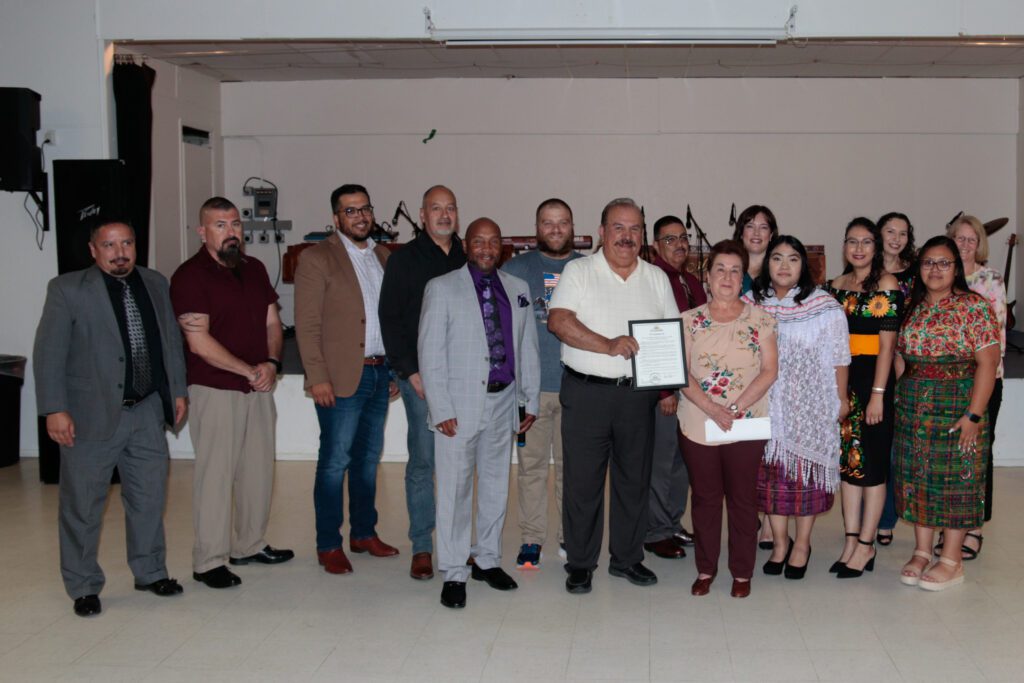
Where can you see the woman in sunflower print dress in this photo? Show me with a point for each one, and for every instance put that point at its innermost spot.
(872, 301)
(950, 346)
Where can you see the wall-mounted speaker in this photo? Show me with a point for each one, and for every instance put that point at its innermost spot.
(21, 162)
(84, 189)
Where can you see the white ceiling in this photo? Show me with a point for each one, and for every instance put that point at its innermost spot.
(298, 61)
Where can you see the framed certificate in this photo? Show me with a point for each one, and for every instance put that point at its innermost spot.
(661, 361)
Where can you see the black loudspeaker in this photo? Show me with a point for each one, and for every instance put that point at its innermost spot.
(21, 162)
(84, 189)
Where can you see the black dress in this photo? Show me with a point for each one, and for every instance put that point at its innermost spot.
(866, 449)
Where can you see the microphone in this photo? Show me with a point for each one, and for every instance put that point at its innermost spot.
(732, 215)
(689, 218)
(398, 212)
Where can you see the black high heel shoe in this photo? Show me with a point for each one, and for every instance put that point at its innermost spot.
(775, 568)
(839, 564)
(847, 573)
(764, 545)
(798, 572)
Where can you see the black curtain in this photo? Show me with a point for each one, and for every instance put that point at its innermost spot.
(133, 98)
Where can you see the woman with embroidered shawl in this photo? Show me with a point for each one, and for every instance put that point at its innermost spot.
(799, 471)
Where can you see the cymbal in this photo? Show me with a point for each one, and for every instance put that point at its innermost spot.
(995, 225)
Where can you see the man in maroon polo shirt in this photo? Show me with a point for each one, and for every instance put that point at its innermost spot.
(228, 311)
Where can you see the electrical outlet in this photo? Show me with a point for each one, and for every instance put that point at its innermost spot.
(247, 237)
(264, 238)
(50, 137)
(278, 237)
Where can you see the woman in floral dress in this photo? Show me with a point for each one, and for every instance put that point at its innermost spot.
(872, 301)
(731, 357)
(950, 346)
(799, 473)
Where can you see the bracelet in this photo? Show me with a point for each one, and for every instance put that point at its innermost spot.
(733, 408)
(877, 390)
(276, 363)
(972, 417)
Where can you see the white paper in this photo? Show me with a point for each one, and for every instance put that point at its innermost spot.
(746, 429)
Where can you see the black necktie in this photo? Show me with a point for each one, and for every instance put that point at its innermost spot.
(492, 323)
(142, 368)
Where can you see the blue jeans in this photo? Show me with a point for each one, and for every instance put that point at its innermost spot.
(351, 439)
(419, 471)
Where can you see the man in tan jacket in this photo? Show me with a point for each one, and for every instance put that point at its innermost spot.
(337, 290)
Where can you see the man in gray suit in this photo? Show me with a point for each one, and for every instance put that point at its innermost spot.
(109, 374)
(479, 362)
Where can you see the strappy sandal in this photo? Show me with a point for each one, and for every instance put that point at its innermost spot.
(967, 553)
(910, 575)
(884, 539)
(955, 580)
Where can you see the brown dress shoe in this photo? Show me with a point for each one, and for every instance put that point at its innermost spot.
(422, 567)
(667, 548)
(702, 586)
(372, 545)
(334, 561)
(740, 589)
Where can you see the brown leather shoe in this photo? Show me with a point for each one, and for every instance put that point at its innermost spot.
(740, 589)
(667, 548)
(334, 561)
(422, 567)
(702, 586)
(372, 545)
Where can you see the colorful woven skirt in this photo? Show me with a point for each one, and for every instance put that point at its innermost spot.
(935, 484)
(777, 494)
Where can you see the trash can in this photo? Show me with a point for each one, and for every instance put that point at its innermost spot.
(12, 376)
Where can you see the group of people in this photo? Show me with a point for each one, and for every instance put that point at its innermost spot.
(480, 351)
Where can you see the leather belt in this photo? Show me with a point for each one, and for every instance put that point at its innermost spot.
(596, 379)
(375, 360)
(132, 402)
(495, 387)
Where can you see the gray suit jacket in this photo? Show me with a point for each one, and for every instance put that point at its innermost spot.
(453, 354)
(78, 358)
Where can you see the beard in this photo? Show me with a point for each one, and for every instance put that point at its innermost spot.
(230, 253)
(549, 246)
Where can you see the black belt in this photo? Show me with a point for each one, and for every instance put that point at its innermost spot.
(596, 379)
(132, 402)
(495, 387)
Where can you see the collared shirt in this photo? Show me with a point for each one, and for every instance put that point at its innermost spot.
(370, 274)
(236, 301)
(401, 296)
(685, 287)
(605, 303)
(506, 371)
(156, 355)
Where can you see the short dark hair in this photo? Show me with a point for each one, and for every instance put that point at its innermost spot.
(98, 222)
(347, 188)
(734, 247)
(216, 204)
(554, 202)
(909, 252)
(763, 282)
(870, 283)
(749, 214)
(918, 290)
(669, 220)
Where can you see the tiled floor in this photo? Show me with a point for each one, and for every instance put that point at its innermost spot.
(294, 622)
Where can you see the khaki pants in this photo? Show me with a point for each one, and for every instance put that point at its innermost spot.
(233, 437)
(542, 441)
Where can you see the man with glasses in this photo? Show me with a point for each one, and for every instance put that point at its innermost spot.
(670, 481)
(436, 250)
(606, 425)
(337, 292)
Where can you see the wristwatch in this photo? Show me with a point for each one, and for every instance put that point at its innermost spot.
(972, 417)
(733, 408)
(276, 363)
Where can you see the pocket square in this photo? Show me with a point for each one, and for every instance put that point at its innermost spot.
(523, 301)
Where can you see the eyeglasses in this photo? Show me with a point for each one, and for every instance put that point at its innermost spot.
(942, 264)
(352, 211)
(672, 239)
(965, 239)
(854, 243)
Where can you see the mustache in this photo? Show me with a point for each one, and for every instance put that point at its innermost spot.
(625, 242)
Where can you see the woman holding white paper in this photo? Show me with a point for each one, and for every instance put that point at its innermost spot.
(731, 358)
(799, 473)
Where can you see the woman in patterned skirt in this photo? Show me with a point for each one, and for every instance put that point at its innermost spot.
(799, 471)
(872, 301)
(949, 343)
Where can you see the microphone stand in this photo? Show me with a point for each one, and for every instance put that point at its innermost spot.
(702, 239)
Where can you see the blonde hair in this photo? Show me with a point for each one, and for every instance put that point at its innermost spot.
(981, 253)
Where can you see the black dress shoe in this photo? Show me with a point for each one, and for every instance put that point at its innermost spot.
(683, 538)
(453, 594)
(161, 587)
(218, 577)
(495, 577)
(88, 606)
(266, 556)
(638, 574)
(579, 580)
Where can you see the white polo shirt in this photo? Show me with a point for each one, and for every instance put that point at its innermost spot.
(605, 303)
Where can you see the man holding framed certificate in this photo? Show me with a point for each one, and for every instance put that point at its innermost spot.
(606, 420)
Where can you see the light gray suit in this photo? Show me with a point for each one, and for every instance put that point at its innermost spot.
(79, 364)
(454, 365)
